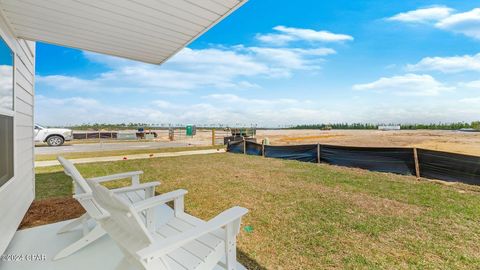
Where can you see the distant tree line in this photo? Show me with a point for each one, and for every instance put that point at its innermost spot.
(123, 126)
(438, 126)
(432, 126)
(97, 126)
(337, 126)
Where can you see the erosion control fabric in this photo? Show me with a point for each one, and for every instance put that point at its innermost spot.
(254, 149)
(307, 153)
(235, 147)
(449, 166)
(432, 164)
(393, 160)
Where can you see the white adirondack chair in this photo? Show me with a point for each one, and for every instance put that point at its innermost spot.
(184, 242)
(83, 194)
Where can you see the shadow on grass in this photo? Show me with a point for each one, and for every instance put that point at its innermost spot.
(248, 262)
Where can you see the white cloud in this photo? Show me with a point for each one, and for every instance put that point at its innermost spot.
(453, 64)
(406, 85)
(230, 67)
(467, 23)
(444, 18)
(423, 15)
(67, 82)
(233, 110)
(162, 104)
(420, 112)
(230, 98)
(475, 100)
(293, 58)
(6, 87)
(472, 84)
(275, 39)
(216, 109)
(289, 34)
(72, 101)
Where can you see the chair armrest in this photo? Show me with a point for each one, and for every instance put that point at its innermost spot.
(169, 244)
(116, 176)
(82, 196)
(136, 187)
(160, 199)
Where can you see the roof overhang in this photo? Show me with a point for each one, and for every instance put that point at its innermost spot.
(145, 30)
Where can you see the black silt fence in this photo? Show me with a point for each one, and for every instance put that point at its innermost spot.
(425, 163)
(253, 148)
(108, 135)
(235, 147)
(393, 160)
(449, 166)
(306, 153)
(79, 136)
(94, 135)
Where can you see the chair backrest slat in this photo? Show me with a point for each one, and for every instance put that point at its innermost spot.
(82, 188)
(123, 224)
(81, 185)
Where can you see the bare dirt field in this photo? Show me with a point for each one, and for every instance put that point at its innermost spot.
(442, 140)
(449, 141)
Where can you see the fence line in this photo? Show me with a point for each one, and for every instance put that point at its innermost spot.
(213, 136)
(406, 161)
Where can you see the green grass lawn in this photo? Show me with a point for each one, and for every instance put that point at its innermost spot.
(74, 155)
(310, 216)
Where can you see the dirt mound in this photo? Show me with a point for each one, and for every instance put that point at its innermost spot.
(441, 140)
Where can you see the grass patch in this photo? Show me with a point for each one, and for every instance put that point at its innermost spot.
(75, 155)
(52, 185)
(310, 216)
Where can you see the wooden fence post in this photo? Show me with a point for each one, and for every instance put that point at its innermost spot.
(244, 146)
(213, 136)
(263, 148)
(417, 166)
(318, 153)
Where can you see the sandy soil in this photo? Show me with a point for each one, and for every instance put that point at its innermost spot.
(53, 210)
(50, 211)
(450, 141)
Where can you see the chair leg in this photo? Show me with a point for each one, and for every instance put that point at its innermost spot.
(230, 247)
(74, 223)
(93, 235)
(150, 213)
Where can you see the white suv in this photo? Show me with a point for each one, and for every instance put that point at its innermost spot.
(52, 136)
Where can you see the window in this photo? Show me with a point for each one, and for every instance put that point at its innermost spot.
(6, 148)
(6, 113)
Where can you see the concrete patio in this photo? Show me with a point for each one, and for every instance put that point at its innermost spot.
(34, 248)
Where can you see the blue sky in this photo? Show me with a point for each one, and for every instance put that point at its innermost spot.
(277, 63)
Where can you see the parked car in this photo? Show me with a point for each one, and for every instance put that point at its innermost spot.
(52, 136)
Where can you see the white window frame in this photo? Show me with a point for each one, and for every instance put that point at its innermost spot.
(11, 113)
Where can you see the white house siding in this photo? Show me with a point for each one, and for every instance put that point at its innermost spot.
(17, 194)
